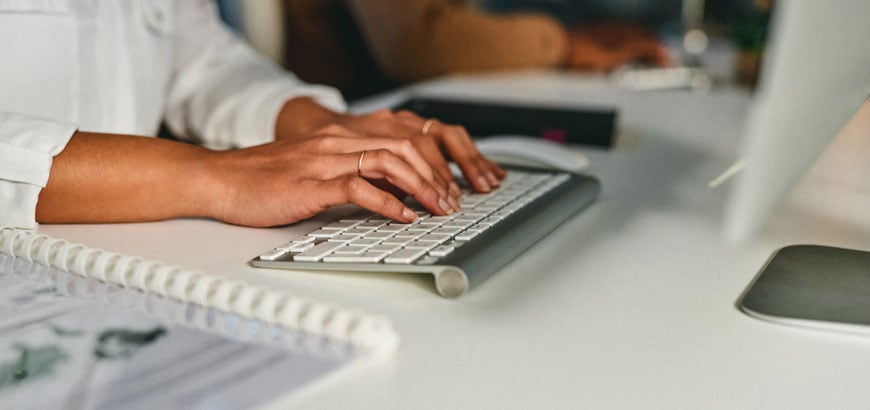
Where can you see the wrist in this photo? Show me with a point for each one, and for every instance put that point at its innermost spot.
(206, 185)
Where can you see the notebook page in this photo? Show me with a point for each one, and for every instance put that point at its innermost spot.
(76, 342)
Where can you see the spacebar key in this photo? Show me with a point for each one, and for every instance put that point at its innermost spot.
(318, 252)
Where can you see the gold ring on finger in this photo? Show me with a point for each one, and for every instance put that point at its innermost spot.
(427, 125)
(362, 156)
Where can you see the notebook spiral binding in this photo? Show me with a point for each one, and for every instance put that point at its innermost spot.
(362, 330)
(170, 311)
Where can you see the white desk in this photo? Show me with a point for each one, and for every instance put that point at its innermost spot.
(630, 305)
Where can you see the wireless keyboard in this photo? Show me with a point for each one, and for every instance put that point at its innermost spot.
(460, 250)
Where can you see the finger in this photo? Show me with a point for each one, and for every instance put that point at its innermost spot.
(453, 193)
(479, 171)
(400, 147)
(369, 161)
(430, 149)
(497, 169)
(386, 165)
(413, 150)
(356, 190)
(487, 170)
(658, 54)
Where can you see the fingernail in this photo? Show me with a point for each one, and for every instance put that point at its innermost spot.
(454, 190)
(492, 179)
(454, 203)
(444, 206)
(409, 215)
(483, 184)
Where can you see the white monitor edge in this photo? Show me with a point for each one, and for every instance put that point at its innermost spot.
(816, 76)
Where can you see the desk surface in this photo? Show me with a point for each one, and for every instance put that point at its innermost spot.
(629, 305)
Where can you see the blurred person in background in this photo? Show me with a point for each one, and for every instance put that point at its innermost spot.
(362, 47)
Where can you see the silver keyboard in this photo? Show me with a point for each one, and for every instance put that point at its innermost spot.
(460, 249)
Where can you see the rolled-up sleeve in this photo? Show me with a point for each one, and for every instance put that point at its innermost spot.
(27, 146)
(223, 94)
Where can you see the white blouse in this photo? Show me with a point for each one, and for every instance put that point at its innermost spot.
(123, 66)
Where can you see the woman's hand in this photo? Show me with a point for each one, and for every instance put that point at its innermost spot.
(356, 159)
(431, 138)
(606, 47)
(124, 178)
(293, 179)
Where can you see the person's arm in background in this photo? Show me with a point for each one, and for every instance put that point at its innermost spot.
(608, 46)
(413, 40)
(417, 39)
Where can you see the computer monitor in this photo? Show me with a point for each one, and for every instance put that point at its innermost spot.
(816, 75)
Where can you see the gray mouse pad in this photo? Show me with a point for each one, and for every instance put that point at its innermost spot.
(813, 286)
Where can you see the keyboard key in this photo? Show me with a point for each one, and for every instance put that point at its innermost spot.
(397, 241)
(421, 245)
(378, 235)
(442, 251)
(358, 231)
(318, 251)
(367, 257)
(372, 224)
(433, 238)
(405, 256)
(449, 231)
(304, 239)
(459, 223)
(439, 219)
(392, 228)
(468, 234)
(385, 248)
(351, 249)
(272, 255)
(340, 225)
(409, 234)
(455, 243)
(364, 242)
(300, 247)
(324, 233)
(342, 238)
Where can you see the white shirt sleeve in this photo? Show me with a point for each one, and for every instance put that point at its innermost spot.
(223, 94)
(27, 146)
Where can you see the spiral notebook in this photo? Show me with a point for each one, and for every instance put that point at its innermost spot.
(87, 328)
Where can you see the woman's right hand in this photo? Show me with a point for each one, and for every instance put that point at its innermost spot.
(289, 180)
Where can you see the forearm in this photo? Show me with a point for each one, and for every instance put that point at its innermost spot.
(120, 178)
(412, 40)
